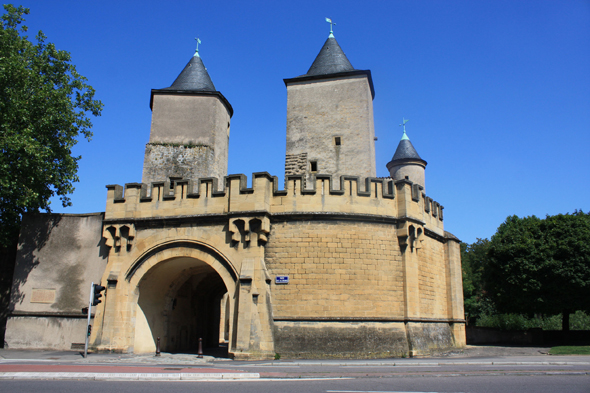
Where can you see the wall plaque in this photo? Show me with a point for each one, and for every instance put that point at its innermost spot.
(43, 296)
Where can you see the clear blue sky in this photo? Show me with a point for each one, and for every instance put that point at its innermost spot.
(497, 92)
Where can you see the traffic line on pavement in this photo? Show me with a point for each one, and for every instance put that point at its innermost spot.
(266, 365)
(396, 366)
(25, 360)
(130, 376)
(528, 365)
(374, 391)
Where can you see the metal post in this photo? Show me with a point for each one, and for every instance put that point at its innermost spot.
(200, 351)
(88, 321)
(158, 347)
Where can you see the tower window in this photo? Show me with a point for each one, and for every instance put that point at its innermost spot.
(313, 166)
(337, 140)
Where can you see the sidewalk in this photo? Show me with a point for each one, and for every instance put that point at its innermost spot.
(94, 372)
(33, 364)
(48, 365)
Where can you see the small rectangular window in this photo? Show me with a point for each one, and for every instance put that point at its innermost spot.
(313, 166)
(337, 140)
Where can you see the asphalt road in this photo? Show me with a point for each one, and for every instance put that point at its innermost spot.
(533, 365)
(475, 369)
(475, 384)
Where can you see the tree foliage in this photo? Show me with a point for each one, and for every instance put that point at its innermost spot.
(44, 108)
(540, 265)
(473, 261)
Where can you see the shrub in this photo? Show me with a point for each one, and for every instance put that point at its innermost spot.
(578, 321)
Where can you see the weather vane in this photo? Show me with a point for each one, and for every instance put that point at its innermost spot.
(197, 51)
(331, 23)
(404, 121)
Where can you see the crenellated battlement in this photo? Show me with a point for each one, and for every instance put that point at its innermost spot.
(348, 195)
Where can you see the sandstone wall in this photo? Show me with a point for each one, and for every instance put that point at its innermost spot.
(336, 270)
(371, 270)
(432, 279)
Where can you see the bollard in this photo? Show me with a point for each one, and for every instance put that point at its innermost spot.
(158, 347)
(200, 351)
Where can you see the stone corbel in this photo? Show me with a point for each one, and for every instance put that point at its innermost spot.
(263, 230)
(130, 235)
(234, 230)
(410, 234)
(113, 234)
(246, 230)
(418, 238)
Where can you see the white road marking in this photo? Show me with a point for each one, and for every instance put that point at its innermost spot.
(390, 367)
(373, 391)
(269, 365)
(26, 360)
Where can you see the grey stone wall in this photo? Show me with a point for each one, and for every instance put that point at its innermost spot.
(189, 138)
(58, 256)
(163, 161)
(340, 339)
(297, 164)
(320, 111)
(425, 337)
(188, 119)
(303, 339)
(57, 333)
(414, 172)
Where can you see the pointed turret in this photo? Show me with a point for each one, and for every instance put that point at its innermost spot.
(330, 127)
(194, 77)
(406, 162)
(190, 128)
(330, 60)
(406, 151)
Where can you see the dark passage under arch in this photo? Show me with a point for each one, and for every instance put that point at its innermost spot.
(183, 300)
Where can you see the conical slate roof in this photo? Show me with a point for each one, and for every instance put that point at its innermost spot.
(330, 60)
(193, 80)
(194, 77)
(405, 150)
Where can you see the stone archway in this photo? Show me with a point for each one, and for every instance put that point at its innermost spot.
(180, 295)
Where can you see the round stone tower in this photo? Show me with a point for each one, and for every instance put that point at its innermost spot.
(407, 163)
(190, 128)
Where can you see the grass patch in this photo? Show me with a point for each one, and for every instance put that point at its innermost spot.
(570, 350)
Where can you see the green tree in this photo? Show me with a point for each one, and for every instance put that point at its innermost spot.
(44, 108)
(473, 260)
(540, 266)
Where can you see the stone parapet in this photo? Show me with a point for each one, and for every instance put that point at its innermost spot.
(379, 197)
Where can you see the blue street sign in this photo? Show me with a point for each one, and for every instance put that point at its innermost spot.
(282, 280)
